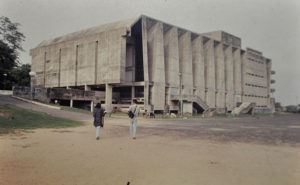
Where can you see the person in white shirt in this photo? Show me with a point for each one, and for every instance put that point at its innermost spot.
(133, 121)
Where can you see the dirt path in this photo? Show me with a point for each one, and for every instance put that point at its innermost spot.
(73, 157)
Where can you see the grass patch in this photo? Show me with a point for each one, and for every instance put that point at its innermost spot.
(12, 117)
(73, 109)
(263, 114)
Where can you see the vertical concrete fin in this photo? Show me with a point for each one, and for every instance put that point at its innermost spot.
(156, 65)
(45, 61)
(268, 82)
(108, 97)
(220, 81)
(243, 62)
(229, 78)
(59, 67)
(76, 66)
(237, 73)
(210, 73)
(171, 57)
(145, 62)
(185, 61)
(96, 61)
(198, 67)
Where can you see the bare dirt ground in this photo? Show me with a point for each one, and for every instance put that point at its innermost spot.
(216, 151)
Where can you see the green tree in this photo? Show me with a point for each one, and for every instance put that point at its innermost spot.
(9, 34)
(20, 75)
(10, 46)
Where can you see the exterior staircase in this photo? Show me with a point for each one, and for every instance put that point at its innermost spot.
(243, 108)
(192, 98)
(200, 102)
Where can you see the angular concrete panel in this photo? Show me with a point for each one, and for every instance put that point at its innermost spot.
(86, 63)
(243, 74)
(145, 62)
(186, 62)
(68, 58)
(51, 67)
(156, 65)
(37, 65)
(237, 75)
(198, 67)
(108, 97)
(171, 65)
(229, 82)
(210, 81)
(220, 76)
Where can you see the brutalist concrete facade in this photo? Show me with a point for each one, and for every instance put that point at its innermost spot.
(150, 60)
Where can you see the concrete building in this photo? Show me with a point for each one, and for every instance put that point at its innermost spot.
(160, 64)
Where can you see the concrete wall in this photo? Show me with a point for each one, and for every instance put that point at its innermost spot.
(220, 76)
(130, 64)
(145, 63)
(186, 62)
(171, 57)
(237, 75)
(97, 59)
(37, 65)
(68, 63)
(229, 84)
(156, 65)
(198, 67)
(209, 60)
(256, 78)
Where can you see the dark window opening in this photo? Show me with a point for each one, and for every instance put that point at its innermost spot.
(136, 33)
(125, 92)
(139, 91)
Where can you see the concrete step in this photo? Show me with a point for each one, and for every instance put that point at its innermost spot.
(243, 108)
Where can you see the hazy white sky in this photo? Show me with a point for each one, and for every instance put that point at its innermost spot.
(271, 26)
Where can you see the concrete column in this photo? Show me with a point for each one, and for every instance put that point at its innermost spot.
(92, 106)
(108, 97)
(96, 62)
(209, 59)
(171, 57)
(87, 88)
(198, 67)
(187, 107)
(59, 68)
(229, 78)
(132, 93)
(268, 82)
(71, 103)
(145, 62)
(237, 71)
(45, 61)
(76, 66)
(243, 69)
(220, 81)
(156, 65)
(146, 96)
(186, 63)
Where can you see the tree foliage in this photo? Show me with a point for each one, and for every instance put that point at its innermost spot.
(10, 45)
(20, 75)
(10, 34)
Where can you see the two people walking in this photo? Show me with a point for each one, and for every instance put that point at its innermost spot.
(133, 113)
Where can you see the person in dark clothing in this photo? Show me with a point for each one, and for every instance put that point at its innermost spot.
(98, 119)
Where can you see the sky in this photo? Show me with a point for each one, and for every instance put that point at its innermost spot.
(270, 26)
